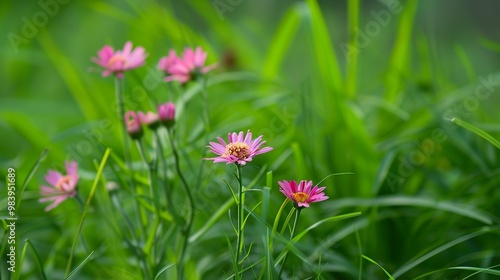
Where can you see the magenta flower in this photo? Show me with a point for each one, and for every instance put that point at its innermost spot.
(167, 62)
(117, 62)
(150, 119)
(166, 113)
(239, 150)
(134, 128)
(303, 194)
(186, 68)
(62, 186)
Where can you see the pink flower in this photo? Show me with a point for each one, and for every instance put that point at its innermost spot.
(134, 128)
(150, 119)
(302, 194)
(186, 68)
(62, 186)
(239, 150)
(117, 62)
(166, 113)
(167, 62)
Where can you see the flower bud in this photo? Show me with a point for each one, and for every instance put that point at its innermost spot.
(166, 114)
(150, 119)
(134, 128)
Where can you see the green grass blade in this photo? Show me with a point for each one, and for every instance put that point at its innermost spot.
(323, 49)
(383, 269)
(72, 273)
(479, 132)
(279, 46)
(352, 57)
(32, 172)
(21, 262)
(405, 268)
(163, 269)
(399, 200)
(477, 270)
(315, 225)
(466, 63)
(91, 195)
(216, 216)
(88, 103)
(400, 52)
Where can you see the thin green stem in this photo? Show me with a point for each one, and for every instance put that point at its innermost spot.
(239, 234)
(150, 166)
(121, 118)
(206, 122)
(149, 247)
(295, 222)
(187, 227)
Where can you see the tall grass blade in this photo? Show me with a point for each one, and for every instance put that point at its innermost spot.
(383, 269)
(72, 273)
(405, 268)
(82, 218)
(32, 172)
(479, 132)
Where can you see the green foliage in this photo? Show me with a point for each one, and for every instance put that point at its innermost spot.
(398, 98)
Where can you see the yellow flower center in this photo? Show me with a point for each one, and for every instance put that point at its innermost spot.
(300, 197)
(64, 180)
(237, 149)
(116, 58)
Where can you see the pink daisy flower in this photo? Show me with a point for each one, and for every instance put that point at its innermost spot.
(303, 194)
(239, 150)
(62, 186)
(117, 62)
(186, 68)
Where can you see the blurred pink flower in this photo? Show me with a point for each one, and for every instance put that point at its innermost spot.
(116, 62)
(61, 187)
(167, 62)
(150, 119)
(166, 113)
(239, 150)
(186, 68)
(303, 194)
(134, 128)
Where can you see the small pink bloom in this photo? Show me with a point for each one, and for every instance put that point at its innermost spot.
(303, 194)
(239, 150)
(150, 119)
(61, 187)
(166, 113)
(117, 62)
(133, 124)
(167, 62)
(186, 68)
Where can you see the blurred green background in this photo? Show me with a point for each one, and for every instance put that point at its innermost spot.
(378, 106)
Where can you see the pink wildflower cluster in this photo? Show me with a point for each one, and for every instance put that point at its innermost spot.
(165, 115)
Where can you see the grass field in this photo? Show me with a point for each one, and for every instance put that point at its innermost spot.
(392, 106)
